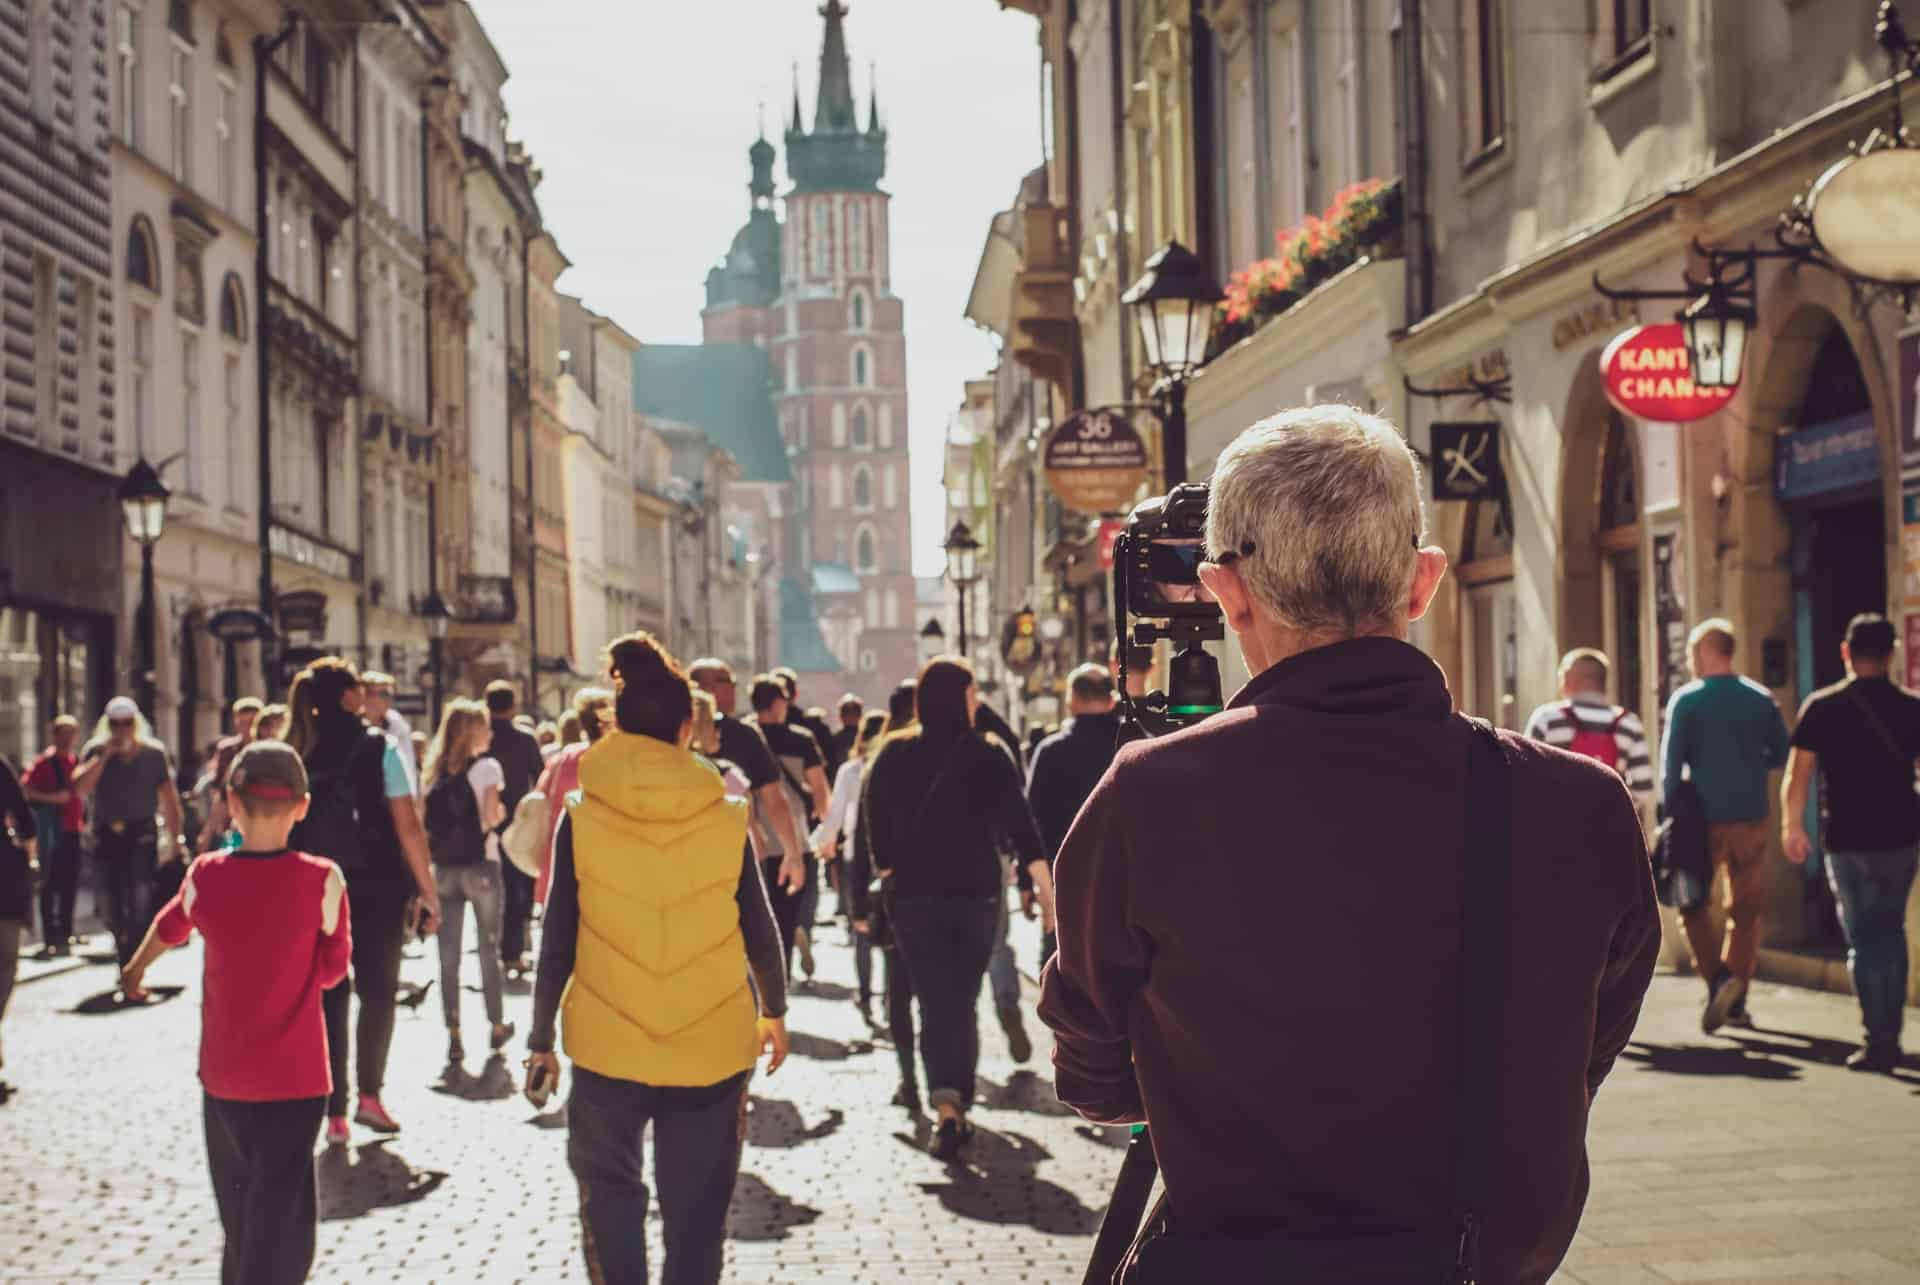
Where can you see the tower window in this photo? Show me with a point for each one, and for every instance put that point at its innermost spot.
(862, 369)
(864, 561)
(822, 240)
(862, 440)
(859, 310)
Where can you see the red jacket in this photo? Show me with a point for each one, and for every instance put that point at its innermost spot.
(1259, 928)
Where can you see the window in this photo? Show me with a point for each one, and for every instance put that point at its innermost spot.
(856, 238)
(864, 560)
(231, 396)
(1486, 100)
(873, 609)
(226, 149)
(861, 372)
(87, 341)
(127, 72)
(40, 62)
(822, 239)
(1290, 126)
(859, 310)
(886, 427)
(1632, 24)
(46, 345)
(893, 608)
(889, 493)
(793, 369)
(839, 427)
(862, 439)
(180, 19)
(836, 493)
(233, 308)
(140, 379)
(180, 107)
(143, 256)
(190, 409)
(862, 490)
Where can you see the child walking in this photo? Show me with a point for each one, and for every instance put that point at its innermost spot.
(276, 930)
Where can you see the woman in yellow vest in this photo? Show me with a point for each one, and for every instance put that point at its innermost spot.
(654, 924)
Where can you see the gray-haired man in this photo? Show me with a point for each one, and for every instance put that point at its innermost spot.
(1260, 917)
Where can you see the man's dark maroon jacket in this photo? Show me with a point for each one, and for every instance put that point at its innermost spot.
(1260, 935)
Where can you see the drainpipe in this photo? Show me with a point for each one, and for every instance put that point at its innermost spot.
(264, 48)
(1413, 164)
(359, 356)
(1200, 53)
(1123, 270)
(533, 551)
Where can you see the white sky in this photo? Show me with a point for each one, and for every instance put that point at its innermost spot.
(640, 113)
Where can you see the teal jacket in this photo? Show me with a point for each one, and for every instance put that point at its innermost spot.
(1726, 734)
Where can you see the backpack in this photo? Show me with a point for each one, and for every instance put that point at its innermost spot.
(1594, 744)
(455, 836)
(331, 827)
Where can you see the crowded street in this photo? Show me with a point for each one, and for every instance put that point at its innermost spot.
(1753, 1158)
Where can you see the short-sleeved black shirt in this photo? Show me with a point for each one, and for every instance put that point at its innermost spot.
(1867, 798)
(795, 750)
(743, 746)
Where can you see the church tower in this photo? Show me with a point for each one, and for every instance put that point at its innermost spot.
(838, 351)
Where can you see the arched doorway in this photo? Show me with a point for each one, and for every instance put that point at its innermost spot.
(1617, 541)
(1489, 617)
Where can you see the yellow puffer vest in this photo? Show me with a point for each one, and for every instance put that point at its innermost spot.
(659, 992)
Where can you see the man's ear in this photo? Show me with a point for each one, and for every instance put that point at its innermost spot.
(1230, 591)
(1432, 569)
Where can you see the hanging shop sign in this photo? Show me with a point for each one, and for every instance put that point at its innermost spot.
(1648, 375)
(1020, 641)
(238, 625)
(1820, 458)
(302, 611)
(1096, 462)
(1466, 461)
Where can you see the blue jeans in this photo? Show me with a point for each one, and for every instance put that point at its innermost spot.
(1003, 976)
(1871, 889)
(697, 1135)
(458, 886)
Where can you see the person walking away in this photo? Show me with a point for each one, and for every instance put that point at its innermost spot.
(1862, 737)
(18, 867)
(1068, 764)
(1585, 722)
(360, 816)
(59, 815)
(937, 804)
(811, 721)
(803, 773)
(521, 763)
(378, 711)
(1329, 797)
(1003, 971)
(1725, 734)
(835, 838)
(593, 706)
(870, 919)
(246, 712)
(278, 930)
(463, 809)
(663, 1028)
(271, 725)
(852, 721)
(128, 776)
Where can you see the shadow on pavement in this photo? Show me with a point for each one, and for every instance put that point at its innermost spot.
(775, 1123)
(1023, 1091)
(1114, 1136)
(1704, 1059)
(823, 990)
(108, 1002)
(997, 1181)
(759, 1212)
(354, 1182)
(822, 1049)
(493, 1084)
(1791, 1044)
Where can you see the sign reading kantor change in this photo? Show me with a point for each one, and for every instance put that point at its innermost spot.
(1096, 462)
(1648, 374)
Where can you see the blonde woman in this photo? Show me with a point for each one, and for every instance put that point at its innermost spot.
(463, 784)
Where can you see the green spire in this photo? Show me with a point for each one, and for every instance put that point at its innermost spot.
(836, 155)
(833, 110)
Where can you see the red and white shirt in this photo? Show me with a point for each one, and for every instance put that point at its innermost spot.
(277, 934)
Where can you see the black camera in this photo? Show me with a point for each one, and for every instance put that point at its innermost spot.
(1156, 578)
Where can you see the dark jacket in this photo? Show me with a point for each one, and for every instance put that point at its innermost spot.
(1681, 847)
(1066, 767)
(1259, 926)
(521, 763)
(937, 814)
(347, 750)
(822, 735)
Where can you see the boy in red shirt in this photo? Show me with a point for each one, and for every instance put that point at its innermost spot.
(276, 930)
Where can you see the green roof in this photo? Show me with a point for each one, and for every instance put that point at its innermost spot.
(725, 391)
(834, 577)
(801, 646)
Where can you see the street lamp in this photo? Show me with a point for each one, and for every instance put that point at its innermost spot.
(434, 610)
(1174, 303)
(933, 641)
(143, 503)
(963, 568)
(1716, 326)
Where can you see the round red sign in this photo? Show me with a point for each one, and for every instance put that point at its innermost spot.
(1648, 374)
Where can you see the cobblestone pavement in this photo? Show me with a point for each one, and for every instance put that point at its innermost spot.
(1743, 1159)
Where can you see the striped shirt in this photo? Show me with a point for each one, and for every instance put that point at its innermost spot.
(1553, 724)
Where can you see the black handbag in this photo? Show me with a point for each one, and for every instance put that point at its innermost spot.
(1445, 1250)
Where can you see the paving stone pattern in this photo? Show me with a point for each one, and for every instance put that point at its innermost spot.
(1751, 1158)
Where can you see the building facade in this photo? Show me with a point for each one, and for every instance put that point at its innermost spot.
(62, 448)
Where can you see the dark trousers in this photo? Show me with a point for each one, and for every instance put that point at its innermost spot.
(516, 914)
(787, 905)
(127, 858)
(945, 943)
(900, 1016)
(377, 912)
(697, 1135)
(1871, 889)
(260, 1155)
(60, 867)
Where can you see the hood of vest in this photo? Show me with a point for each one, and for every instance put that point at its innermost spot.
(652, 792)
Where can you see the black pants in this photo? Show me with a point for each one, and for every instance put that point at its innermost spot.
(788, 905)
(377, 912)
(516, 915)
(260, 1155)
(128, 858)
(697, 1135)
(900, 1016)
(60, 864)
(945, 943)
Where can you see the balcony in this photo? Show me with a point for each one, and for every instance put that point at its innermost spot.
(1043, 321)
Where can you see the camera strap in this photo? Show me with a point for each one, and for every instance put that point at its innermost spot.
(1483, 949)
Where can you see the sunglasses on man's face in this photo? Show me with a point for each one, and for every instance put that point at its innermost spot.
(119, 724)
